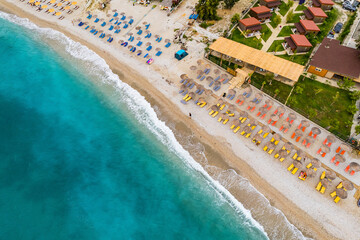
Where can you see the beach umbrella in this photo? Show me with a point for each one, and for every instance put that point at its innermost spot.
(190, 81)
(158, 49)
(217, 84)
(201, 99)
(248, 89)
(259, 96)
(258, 137)
(325, 182)
(122, 13)
(207, 65)
(270, 145)
(208, 92)
(339, 158)
(263, 110)
(199, 72)
(167, 40)
(280, 110)
(300, 154)
(298, 132)
(283, 153)
(117, 27)
(220, 101)
(330, 138)
(305, 123)
(114, 10)
(310, 172)
(101, 19)
(116, 18)
(253, 122)
(266, 129)
(109, 35)
(125, 22)
(209, 78)
(199, 62)
(286, 125)
(354, 166)
(215, 108)
(224, 76)
(231, 92)
(236, 122)
(147, 31)
(138, 28)
(348, 185)
(252, 104)
(101, 31)
(138, 38)
(292, 116)
(148, 44)
(330, 175)
(156, 36)
(345, 147)
(144, 23)
(224, 116)
(309, 140)
(242, 98)
(341, 193)
(121, 41)
(288, 146)
(217, 71)
(297, 164)
(182, 87)
(130, 17)
(193, 68)
(130, 33)
(95, 16)
(325, 149)
(274, 117)
(247, 129)
(315, 162)
(231, 108)
(108, 15)
(192, 94)
(130, 46)
(44, 6)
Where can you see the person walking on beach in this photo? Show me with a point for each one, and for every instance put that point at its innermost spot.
(190, 115)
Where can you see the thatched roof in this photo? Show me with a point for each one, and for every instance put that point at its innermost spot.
(258, 58)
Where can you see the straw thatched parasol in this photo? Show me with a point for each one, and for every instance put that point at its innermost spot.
(236, 122)
(315, 130)
(345, 147)
(115, 10)
(130, 17)
(330, 175)
(300, 154)
(286, 125)
(201, 99)
(253, 122)
(280, 109)
(217, 84)
(224, 76)
(130, 33)
(259, 96)
(243, 114)
(310, 172)
(192, 94)
(138, 38)
(304, 123)
(156, 36)
(315, 162)
(274, 117)
(92, 27)
(298, 132)
(263, 110)
(217, 71)
(199, 62)
(139, 51)
(148, 44)
(266, 129)
(348, 185)
(258, 137)
(167, 40)
(292, 116)
(144, 23)
(330, 138)
(277, 137)
(190, 81)
(231, 92)
(247, 129)
(325, 149)
(184, 76)
(297, 164)
(269, 102)
(231, 108)
(108, 15)
(130, 46)
(309, 140)
(200, 87)
(221, 101)
(252, 104)
(121, 41)
(183, 87)
(193, 68)
(122, 13)
(207, 65)
(199, 72)
(288, 146)
(209, 78)
(101, 31)
(341, 193)
(101, 19)
(339, 158)
(325, 182)
(283, 153)
(248, 89)
(208, 92)
(215, 108)
(354, 166)
(158, 49)
(224, 116)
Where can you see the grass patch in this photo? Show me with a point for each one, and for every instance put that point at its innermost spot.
(317, 103)
(300, 59)
(325, 27)
(251, 42)
(266, 32)
(295, 18)
(257, 79)
(205, 24)
(283, 8)
(274, 25)
(347, 27)
(285, 31)
(300, 8)
(276, 45)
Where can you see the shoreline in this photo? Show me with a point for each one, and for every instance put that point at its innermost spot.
(214, 148)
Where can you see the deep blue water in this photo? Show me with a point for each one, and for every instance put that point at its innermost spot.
(75, 164)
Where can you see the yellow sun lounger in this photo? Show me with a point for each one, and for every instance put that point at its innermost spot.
(203, 104)
(265, 135)
(265, 148)
(294, 170)
(243, 120)
(236, 129)
(337, 199)
(259, 132)
(232, 126)
(281, 159)
(323, 189)
(322, 175)
(276, 155)
(186, 96)
(189, 98)
(231, 114)
(270, 151)
(272, 140)
(295, 155)
(291, 167)
(215, 113)
(318, 186)
(339, 185)
(309, 165)
(222, 107)
(276, 142)
(219, 120)
(242, 133)
(225, 122)
(248, 135)
(333, 194)
(211, 112)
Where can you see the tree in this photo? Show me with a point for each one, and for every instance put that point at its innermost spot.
(355, 95)
(207, 9)
(298, 89)
(345, 83)
(335, 98)
(230, 3)
(235, 18)
(290, 3)
(277, 20)
(262, 85)
(290, 16)
(357, 129)
(313, 77)
(277, 91)
(352, 109)
(269, 76)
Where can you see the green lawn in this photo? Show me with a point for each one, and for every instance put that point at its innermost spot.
(283, 8)
(300, 8)
(266, 32)
(272, 20)
(257, 79)
(296, 18)
(276, 46)
(317, 103)
(285, 31)
(300, 59)
(251, 42)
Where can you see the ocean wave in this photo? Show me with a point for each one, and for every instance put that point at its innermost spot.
(142, 109)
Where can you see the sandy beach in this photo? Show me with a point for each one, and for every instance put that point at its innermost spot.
(231, 159)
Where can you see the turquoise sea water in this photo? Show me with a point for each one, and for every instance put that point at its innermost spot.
(76, 164)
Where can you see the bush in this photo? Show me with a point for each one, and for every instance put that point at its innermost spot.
(347, 27)
(235, 18)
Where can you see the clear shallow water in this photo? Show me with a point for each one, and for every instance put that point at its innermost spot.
(75, 164)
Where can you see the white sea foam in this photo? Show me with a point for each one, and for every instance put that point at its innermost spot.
(143, 111)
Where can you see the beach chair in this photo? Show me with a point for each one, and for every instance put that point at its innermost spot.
(225, 81)
(248, 135)
(146, 55)
(103, 24)
(291, 167)
(333, 194)
(337, 199)
(265, 148)
(236, 129)
(123, 18)
(147, 26)
(149, 48)
(217, 78)
(89, 16)
(125, 26)
(111, 20)
(139, 43)
(139, 32)
(215, 114)
(96, 32)
(97, 20)
(86, 27)
(168, 45)
(118, 23)
(111, 27)
(159, 40)
(322, 190)
(115, 14)
(318, 187)
(270, 151)
(131, 21)
(202, 78)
